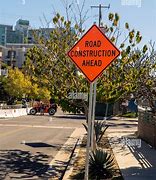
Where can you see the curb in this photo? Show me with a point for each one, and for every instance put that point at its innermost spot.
(72, 159)
(60, 163)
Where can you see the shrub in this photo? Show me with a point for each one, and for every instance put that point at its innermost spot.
(100, 129)
(101, 165)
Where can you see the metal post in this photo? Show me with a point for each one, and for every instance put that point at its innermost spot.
(93, 114)
(106, 112)
(94, 98)
(89, 131)
(100, 15)
(100, 12)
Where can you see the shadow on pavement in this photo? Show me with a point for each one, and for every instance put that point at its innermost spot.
(57, 171)
(38, 144)
(146, 156)
(19, 164)
(125, 125)
(71, 116)
(77, 117)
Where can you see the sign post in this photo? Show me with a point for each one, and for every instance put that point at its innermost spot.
(93, 115)
(89, 130)
(92, 54)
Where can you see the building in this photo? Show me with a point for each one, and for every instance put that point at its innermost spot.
(15, 41)
(17, 35)
(3, 71)
(44, 32)
(12, 42)
(4, 31)
(22, 26)
(14, 54)
(8, 35)
(0, 54)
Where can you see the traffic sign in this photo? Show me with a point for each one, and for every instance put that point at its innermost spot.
(93, 53)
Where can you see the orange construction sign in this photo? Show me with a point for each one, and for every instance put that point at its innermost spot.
(93, 53)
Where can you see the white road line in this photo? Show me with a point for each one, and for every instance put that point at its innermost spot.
(36, 126)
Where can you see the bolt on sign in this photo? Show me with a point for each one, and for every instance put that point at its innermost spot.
(93, 53)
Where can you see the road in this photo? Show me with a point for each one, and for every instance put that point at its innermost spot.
(29, 143)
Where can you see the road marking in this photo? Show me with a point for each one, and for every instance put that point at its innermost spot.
(60, 161)
(36, 126)
(11, 132)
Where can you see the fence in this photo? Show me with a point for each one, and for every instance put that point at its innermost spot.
(147, 127)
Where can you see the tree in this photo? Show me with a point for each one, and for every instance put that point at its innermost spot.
(47, 63)
(19, 85)
(16, 84)
(131, 72)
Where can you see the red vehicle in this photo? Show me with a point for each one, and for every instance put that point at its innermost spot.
(43, 108)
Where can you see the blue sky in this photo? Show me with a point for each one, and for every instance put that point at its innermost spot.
(140, 18)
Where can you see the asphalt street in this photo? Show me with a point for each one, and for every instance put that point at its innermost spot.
(29, 143)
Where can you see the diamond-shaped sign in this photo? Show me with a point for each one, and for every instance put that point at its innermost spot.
(93, 53)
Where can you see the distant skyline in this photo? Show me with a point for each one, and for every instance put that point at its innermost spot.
(140, 14)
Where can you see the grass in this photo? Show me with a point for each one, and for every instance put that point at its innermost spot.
(128, 115)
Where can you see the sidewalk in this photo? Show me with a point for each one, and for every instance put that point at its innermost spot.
(58, 165)
(136, 159)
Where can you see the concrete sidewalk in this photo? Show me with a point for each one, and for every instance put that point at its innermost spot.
(59, 163)
(136, 159)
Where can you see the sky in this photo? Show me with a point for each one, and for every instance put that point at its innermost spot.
(140, 14)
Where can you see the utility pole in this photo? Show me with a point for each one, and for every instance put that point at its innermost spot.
(92, 104)
(100, 11)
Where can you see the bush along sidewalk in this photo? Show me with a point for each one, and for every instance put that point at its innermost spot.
(102, 163)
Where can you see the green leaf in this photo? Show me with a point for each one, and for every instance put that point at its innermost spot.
(113, 39)
(122, 45)
(145, 48)
(127, 25)
(128, 49)
(117, 17)
(111, 29)
(111, 16)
